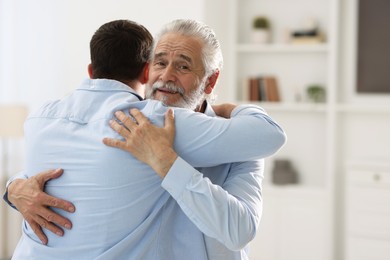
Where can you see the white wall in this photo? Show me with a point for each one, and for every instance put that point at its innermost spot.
(45, 44)
(44, 52)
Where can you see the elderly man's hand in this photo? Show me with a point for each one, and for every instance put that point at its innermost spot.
(146, 142)
(33, 203)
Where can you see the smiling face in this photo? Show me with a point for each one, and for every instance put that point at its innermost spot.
(176, 75)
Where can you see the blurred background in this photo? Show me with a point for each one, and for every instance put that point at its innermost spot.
(319, 67)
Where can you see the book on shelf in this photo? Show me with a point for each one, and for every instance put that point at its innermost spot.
(310, 36)
(316, 39)
(306, 40)
(264, 88)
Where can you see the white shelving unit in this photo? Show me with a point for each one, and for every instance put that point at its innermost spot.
(322, 137)
(286, 232)
(281, 48)
(296, 66)
(367, 204)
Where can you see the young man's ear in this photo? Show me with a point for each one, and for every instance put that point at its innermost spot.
(90, 71)
(211, 82)
(145, 74)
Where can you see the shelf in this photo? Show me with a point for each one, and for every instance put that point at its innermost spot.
(289, 107)
(319, 107)
(291, 189)
(282, 48)
(363, 108)
(310, 127)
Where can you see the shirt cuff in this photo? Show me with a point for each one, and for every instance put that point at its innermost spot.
(177, 178)
(5, 196)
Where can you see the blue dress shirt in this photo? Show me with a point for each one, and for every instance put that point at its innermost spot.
(229, 212)
(120, 201)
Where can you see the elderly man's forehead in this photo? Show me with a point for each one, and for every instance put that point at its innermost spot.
(163, 54)
(179, 44)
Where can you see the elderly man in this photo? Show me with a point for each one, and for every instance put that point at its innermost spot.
(201, 219)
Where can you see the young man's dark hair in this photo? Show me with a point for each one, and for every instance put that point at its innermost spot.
(119, 50)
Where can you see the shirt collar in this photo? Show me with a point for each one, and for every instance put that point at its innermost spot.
(106, 85)
(209, 110)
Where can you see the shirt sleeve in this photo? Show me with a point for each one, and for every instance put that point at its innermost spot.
(249, 134)
(231, 213)
(20, 175)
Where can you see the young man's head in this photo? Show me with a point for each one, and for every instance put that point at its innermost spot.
(120, 50)
(185, 64)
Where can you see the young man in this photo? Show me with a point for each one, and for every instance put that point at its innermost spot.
(138, 191)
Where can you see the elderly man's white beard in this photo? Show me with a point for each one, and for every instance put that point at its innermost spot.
(191, 101)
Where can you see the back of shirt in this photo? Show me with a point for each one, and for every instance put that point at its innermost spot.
(105, 184)
(119, 199)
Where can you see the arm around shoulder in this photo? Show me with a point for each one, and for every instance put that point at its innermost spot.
(276, 136)
(249, 134)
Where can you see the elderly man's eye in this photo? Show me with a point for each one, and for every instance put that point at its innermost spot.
(183, 68)
(159, 64)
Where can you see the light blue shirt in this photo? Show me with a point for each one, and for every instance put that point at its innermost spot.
(119, 200)
(229, 212)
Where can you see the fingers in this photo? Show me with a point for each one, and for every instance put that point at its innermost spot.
(40, 216)
(119, 129)
(46, 216)
(37, 223)
(114, 143)
(54, 202)
(38, 231)
(38, 197)
(170, 120)
(138, 116)
(126, 120)
(52, 220)
(128, 123)
(123, 130)
(45, 176)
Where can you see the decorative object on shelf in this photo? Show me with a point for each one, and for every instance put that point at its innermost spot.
(284, 173)
(316, 93)
(308, 33)
(261, 30)
(264, 88)
(298, 95)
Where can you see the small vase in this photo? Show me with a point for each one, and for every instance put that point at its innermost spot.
(283, 173)
(260, 36)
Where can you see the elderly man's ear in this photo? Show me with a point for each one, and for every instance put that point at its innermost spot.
(211, 82)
